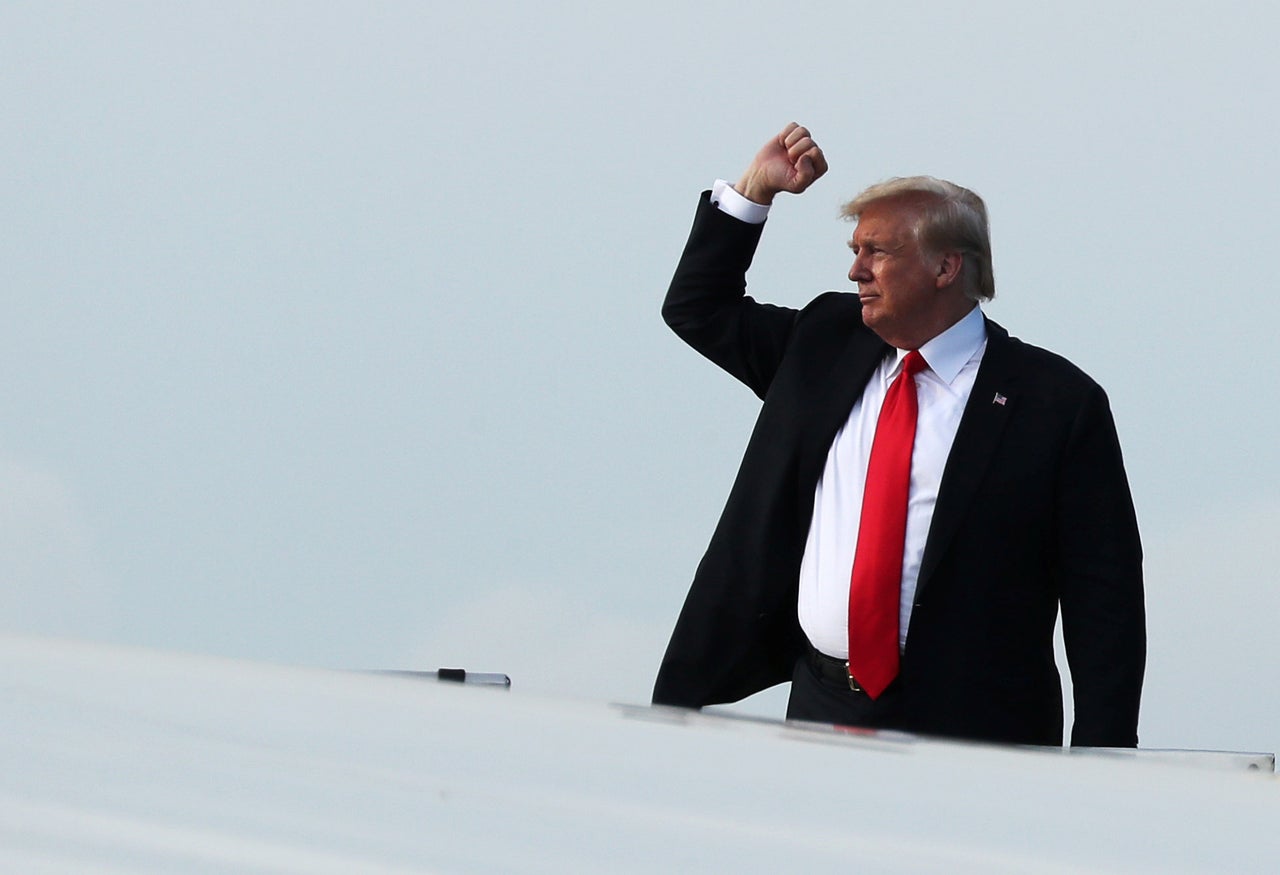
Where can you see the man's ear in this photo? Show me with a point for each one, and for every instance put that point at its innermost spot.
(949, 266)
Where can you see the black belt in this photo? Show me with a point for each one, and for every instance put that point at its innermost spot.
(832, 669)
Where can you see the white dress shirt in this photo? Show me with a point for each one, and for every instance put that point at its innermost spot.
(942, 389)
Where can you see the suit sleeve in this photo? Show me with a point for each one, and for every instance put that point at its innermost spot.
(707, 304)
(1100, 583)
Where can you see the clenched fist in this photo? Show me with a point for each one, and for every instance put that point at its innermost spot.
(791, 161)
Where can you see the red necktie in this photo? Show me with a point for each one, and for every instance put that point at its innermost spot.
(876, 583)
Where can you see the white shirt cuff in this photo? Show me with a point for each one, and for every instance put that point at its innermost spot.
(727, 199)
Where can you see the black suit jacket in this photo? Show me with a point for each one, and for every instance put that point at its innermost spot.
(1033, 512)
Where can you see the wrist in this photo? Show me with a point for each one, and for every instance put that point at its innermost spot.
(751, 188)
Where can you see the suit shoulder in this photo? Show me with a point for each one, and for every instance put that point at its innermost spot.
(831, 309)
(830, 318)
(835, 302)
(1038, 363)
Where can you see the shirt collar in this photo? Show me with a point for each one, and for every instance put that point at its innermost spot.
(951, 350)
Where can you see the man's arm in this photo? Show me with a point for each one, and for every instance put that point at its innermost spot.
(1103, 610)
(706, 304)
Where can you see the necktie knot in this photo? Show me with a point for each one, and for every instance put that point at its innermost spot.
(914, 363)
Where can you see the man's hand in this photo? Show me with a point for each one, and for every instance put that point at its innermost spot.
(790, 162)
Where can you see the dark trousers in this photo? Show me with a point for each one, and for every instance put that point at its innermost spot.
(820, 699)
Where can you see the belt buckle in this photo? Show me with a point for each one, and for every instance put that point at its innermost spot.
(853, 685)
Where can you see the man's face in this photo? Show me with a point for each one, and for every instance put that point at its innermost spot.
(897, 284)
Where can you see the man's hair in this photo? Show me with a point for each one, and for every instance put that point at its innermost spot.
(950, 218)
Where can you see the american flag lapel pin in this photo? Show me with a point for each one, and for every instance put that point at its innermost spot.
(999, 399)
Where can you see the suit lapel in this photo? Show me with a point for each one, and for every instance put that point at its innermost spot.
(991, 403)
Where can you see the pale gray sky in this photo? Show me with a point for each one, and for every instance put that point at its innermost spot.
(332, 330)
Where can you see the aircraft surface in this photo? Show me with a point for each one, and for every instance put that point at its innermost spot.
(122, 760)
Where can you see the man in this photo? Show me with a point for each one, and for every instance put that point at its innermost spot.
(919, 495)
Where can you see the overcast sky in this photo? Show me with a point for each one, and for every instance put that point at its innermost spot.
(331, 331)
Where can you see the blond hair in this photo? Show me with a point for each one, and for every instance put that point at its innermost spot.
(948, 218)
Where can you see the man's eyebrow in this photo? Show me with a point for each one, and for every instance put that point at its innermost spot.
(875, 243)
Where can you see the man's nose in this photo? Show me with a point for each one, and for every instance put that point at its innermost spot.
(858, 272)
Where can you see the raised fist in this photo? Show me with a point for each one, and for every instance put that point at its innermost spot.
(791, 161)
